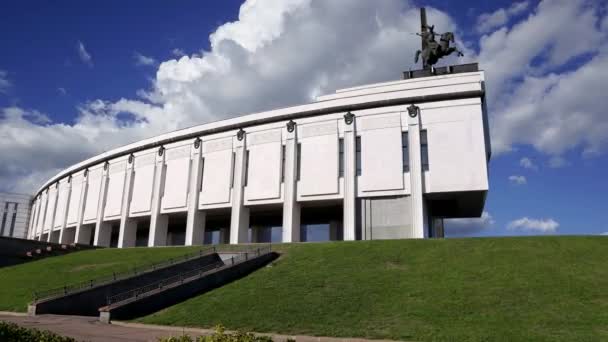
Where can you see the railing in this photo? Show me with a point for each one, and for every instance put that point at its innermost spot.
(181, 278)
(115, 276)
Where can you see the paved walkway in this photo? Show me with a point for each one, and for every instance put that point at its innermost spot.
(90, 329)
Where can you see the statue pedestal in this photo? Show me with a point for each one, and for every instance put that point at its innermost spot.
(444, 70)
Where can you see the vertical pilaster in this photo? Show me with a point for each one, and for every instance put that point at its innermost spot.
(158, 222)
(103, 230)
(35, 219)
(195, 223)
(82, 235)
(30, 230)
(239, 218)
(291, 207)
(128, 226)
(416, 186)
(64, 216)
(350, 174)
(51, 214)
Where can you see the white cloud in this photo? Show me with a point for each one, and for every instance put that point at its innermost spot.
(519, 180)
(282, 53)
(488, 21)
(143, 60)
(5, 84)
(468, 226)
(278, 53)
(178, 52)
(525, 224)
(556, 162)
(535, 96)
(62, 91)
(604, 233)
(84, 55)
(527, 163)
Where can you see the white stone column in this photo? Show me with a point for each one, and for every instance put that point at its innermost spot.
(31, 234)
(239, 218)
(35, 219)
(158, 222)
(103, 230)
(350, 175)
(64, 216)
(291, 207)
(128, 226)
(195, 223)
(416, 187)
(82, 235)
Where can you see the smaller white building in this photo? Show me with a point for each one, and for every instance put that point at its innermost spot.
(14, 214)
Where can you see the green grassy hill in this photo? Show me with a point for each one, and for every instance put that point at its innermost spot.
(490, 289)
(486, 289)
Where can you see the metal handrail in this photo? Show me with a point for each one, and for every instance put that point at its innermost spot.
(115, 276)
(183, 277)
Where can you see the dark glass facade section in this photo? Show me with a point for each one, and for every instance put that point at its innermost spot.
(405, 152)
(358, 155)
(341, 157)
(424, 150)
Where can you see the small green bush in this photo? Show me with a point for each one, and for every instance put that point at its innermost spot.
(10, 332)
(220, 335)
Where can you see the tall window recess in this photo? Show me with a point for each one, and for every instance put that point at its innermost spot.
(14, 218)
(203, 173)
(3, 223)
(405, 152)
(341, 157)
(232, 170)
(358, 155)
(246, 167)
(299, 160)
(282, 163)
(424, 150)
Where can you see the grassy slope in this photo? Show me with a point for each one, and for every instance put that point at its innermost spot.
(17, 283)
(494, 289)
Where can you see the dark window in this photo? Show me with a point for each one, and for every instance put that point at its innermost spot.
(232, 168)
(282, 163)
(6, 206)
(405, 152)
(358, 154)
(299, 160)
(202, 173)
(13, 224)
(3, 224)
(16, 206)
(246, 167)
(424, 150)
(341, 157)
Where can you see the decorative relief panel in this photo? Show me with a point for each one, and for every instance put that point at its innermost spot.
(217, 145)
(117, 167)
(264, 137)
(313, 130)
(145, 159)
(377, 122)
(178, 153)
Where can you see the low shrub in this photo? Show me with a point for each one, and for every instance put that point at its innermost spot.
(220, 335)
(10, 332)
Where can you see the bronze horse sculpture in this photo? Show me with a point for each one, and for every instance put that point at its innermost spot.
(433, 51)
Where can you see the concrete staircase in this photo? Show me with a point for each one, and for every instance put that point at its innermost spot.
(143, 291)
(170, 291)
(15, 251)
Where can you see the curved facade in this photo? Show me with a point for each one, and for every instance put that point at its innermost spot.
(386, 160)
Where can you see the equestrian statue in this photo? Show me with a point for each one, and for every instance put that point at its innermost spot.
(432, 50)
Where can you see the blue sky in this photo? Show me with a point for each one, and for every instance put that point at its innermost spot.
(77, 78)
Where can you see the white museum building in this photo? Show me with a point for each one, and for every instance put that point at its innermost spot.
(379, 161)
